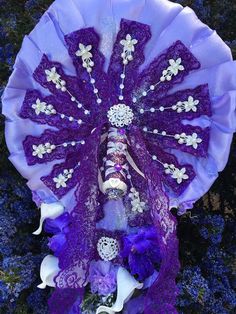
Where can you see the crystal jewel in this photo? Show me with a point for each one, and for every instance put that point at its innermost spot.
(120, 115)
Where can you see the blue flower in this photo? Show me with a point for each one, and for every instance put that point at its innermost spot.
(211, 227)
(195, 284)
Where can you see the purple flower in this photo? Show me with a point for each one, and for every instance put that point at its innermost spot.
(59, 228)
(142, 252)
(57, 225)
(102, 277)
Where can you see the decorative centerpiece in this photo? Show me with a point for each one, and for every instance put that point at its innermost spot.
(116, 116)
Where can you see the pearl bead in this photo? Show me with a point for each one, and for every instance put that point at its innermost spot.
(62, 116)
(152, 109)
(162, 108)
(82, 142)
(144, 94)
(152, 87)
(122, 86)
(99, 100)
(95, 90)
(122, 75)
(73, 143)
(71, 118)
(134, 100)
(145, 129)
(72, 98)
(92, 81)
(163, 133)
(155, 131)
(79, 121)
(86, 112)
(79, 106)
(65, 144)
(121, 97)
(154, 157)
(141, 110)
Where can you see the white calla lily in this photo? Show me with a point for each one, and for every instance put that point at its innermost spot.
(52, 211)
(48, 270)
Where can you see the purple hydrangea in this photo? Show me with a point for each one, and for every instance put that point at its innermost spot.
(102, 277)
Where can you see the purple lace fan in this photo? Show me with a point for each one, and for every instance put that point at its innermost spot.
(123, 111)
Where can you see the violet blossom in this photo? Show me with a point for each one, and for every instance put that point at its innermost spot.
(142, 252)
(58, 227)
(102, 277)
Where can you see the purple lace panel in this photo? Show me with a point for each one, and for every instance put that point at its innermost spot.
(97, 79)
(80, 246)
(142, 34)
(165, 157)
(65, 301)
(162, 294)
(151, 76)
(52, 110)
(175, 106)
(52, 145)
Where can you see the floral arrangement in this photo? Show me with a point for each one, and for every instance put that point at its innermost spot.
(129, 250)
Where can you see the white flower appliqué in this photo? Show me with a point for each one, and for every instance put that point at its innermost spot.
(187, 105)
(128, 44)
(120, 115)
(108, 248)
(193, 140)
(190, 140)
(174, 67)
(85, 53)
(191, 104)
(137, 204)
(178, 174)
(54, 77)
(62, 178)
(42, 149)
(43, 107)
